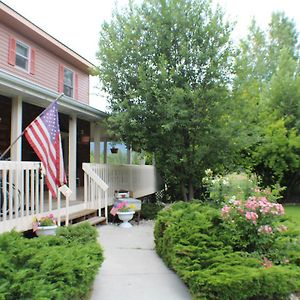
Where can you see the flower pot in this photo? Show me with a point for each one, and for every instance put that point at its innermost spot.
(114, 150)
(125, 216)
(46, 230)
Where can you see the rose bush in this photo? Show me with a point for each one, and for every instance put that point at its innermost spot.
(252, 225)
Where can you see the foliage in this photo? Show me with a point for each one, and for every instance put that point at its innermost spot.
(166, 66)
(149, 211)
(266, 94)
(235, 186)
(193, 240)
(232, 186)
(49, 267)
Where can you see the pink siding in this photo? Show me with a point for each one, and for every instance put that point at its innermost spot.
(46, 65)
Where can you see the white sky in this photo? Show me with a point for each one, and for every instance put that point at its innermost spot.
(77, 23)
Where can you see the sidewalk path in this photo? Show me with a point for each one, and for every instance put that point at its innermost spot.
(132, 269)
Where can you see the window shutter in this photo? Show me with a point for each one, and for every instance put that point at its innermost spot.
(60, 78)
(76, 86)
(32, 61)
(12, 51)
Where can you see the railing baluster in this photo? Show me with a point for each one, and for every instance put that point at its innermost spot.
(37, 199)
(4, 188)
(10, 193)
(27, 191)
(21, 192)
(41, 190)
(33, 208)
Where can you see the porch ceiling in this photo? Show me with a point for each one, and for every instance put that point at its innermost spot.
(12, 86)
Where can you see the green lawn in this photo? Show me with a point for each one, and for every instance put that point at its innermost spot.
(293, 211)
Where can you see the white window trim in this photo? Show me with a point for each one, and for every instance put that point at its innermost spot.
(28, 58)
(72, 87)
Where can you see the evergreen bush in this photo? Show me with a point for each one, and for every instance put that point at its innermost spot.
(192, 240)
(49, 267)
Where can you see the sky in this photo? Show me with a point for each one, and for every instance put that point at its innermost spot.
(77, 23)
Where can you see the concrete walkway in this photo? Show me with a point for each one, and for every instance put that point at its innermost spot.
(132, 269)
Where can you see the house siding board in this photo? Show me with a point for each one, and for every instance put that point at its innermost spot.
(46, 65)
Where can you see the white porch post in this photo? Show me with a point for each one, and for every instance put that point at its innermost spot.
(129, 156)
(72, 155)
(105, 152)
(16, 128)
(96, 144)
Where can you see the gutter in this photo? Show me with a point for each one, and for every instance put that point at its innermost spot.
(11, 85)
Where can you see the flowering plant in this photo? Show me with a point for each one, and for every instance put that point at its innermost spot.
(222, 188)
(44, 221)
(253, 223)
(122, 207)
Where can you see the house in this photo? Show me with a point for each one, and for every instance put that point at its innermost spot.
(34, 69)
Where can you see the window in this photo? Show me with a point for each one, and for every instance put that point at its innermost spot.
(22, 55)
(68, 82)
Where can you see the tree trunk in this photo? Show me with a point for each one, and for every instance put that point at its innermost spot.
(183, 191)
(191, 190)
(290, 187)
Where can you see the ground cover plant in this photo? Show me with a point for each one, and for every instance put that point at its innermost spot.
(242, 248)
(49, 267)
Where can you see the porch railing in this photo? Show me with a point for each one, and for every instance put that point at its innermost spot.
(23, 195)
(140, 179)
(95, 190)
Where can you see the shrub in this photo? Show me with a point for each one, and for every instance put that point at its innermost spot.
(193, 240)
(49, 267)
(149, 211)
(234, 186)
(252, 225)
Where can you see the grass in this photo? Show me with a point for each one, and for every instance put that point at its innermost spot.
(293, 212)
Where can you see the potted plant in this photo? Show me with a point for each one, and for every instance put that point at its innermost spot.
(45, 225)
(125, 213)
(113, 148)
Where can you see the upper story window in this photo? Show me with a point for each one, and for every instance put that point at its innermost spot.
(21, 55)
(68, 82)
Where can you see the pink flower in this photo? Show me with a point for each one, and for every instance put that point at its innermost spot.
(250, 215)
(237, 202)
(267, 263)
(282, 228)
(265, 229)
(225, 210)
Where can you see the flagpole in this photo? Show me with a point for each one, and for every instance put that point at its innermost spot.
(4, 153)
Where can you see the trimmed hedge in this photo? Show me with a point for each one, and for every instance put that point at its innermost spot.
(49, 267)
(191, 240)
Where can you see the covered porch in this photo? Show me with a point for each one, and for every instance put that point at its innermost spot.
(24, 194)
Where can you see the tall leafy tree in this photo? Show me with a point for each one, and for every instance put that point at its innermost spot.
(166, 65)
(266, 90)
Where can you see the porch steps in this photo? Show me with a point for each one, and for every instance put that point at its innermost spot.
(92, 221)
(86, 215)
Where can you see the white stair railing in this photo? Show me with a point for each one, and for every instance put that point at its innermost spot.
(95, 191)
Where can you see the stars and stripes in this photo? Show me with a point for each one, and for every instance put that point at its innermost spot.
(43, 134)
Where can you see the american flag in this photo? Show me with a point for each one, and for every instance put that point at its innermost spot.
(43, 134)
